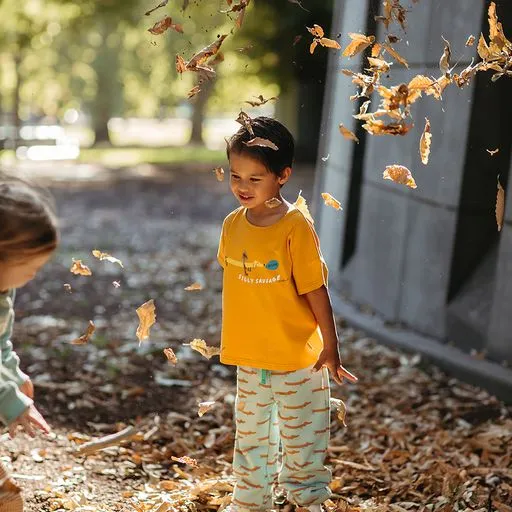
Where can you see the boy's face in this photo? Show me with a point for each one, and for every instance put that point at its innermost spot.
(252, 183)
(15, 274)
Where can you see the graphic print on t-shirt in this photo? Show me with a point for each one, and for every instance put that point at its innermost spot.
(248, 266)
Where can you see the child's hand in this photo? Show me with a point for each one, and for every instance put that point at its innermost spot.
(27, 388)
(331, 359)
(28, 420)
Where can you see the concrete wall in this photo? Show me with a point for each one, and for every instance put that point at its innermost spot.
(430, 259)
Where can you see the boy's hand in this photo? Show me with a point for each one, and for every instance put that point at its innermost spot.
(27, 388)
(331, 360)
(28, 420)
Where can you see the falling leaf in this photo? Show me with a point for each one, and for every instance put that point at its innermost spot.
(297, 2)
(273, 202)
(358, 44)
(160, 5)
(116, 284)
(399, 174)
(181, 65)
(395, 55)
(425, 141)
(67, 287)
(80, 268)
(329, 43)
(147, 318)
(379, 64)
(392, 39)
(296, 39)
(197, 62)
(260, 100)
(201, 347)
(378, 127)
(392, 11)
(105, 256)
(82, 340)
(341, 409)
(258, 141)
(325, 158)
(302, 206)
(194, 287)
(445, 60)
(347, 133)
(164, 24)
(219, 173)
(318, 33)
(245, 121)
(193, 92)
(470, 40)
(331, 201)
(186, 460)
(500, 205)
(237, 7)
(170, 355)
(492, 152)
(204, 407)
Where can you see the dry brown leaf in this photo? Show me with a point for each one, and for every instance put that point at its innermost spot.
(341, 409)
(194, 287)
(194, 91)
(160, 5)
(329, 43)
(170, 355)
(425, 141)
(317, 31)
(164, 24)
(378, 127)
(219, 173)
(329, 200)
(147, 318)
(258, 141)
(181, 65)
(186, 460)
(347, 133)
(312, 46)
(376, 49)
(399, 174)
(80, 268)
(500, 205)
(197, 62)
(297, 2)
(260, 100)
(379, 64)
(82, 340)
(296, 39)
(205, 350)
(204, 407)
(302, 206)
(107, 257)
(395, 55)
(245, 120)
(67, 287)
(392, 11)
(273, 202)
(237, 7)
(492, 152)
(445, 60)
(359, 43)
(470, 40)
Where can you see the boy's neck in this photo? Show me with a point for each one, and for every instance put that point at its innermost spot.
(264, 216)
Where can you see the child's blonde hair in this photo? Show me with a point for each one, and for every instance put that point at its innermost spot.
(28, 224)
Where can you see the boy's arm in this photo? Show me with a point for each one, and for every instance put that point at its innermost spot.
(320, 303)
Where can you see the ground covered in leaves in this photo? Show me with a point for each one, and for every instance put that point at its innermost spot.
(416, 439)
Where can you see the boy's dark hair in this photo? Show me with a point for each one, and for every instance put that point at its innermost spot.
(28, 224)
(266, 128)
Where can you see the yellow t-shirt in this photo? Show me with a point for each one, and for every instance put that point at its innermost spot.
(266, 320)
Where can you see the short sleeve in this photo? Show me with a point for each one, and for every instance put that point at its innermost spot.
(309, 270)
(222, 240)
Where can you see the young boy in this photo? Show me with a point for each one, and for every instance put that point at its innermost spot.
(277, 327)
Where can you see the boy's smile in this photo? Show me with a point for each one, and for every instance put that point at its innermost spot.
(252, 183)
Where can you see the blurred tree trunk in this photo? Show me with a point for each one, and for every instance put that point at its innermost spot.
(16, 121)
(198, 114)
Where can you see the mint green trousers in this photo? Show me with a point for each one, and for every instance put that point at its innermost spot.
(282, 434)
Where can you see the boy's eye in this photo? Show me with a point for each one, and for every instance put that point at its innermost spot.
(235, 177)
(255, 180)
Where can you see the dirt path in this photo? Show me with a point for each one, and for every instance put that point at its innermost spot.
(414, 436)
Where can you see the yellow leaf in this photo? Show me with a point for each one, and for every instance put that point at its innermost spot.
(482, 48)
(378, 127)
(331, 201)
(341, 409)
(312, 46)
(170, 355)
(80, 269)
(399, 174)
(347, 133)
(105, 256)
(425, 141)
(316, 31)
(329, 43)
(82, 340)
(395, 55)
(193, 287)
(379, 64)
(470, 40)
(302, 206)
(201, 347)
(204, 407)
(500, 205)
(358, 44)
(147, 318)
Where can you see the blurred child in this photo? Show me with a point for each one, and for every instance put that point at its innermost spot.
(28, 237)
(277, 327)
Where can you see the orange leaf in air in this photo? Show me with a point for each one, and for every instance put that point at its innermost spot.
(82, 340)
(164, 24)
(181, 66)
(302, 206)
(106, 256)
(219, 173)
(331, 201)
(358, 44)
(347, 133)
(395, 55)
(260, 100)
(194, 287)
(205, 350)
(341, 409)
(194, 91)
(147, 318)
(500, 205)
(399, 174)
(170, 355)
(470, 40)
(425, 141)
(80, 268)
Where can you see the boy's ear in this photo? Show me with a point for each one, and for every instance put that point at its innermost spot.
(285, 175)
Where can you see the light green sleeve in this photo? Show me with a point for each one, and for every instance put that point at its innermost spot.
(12, 401)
